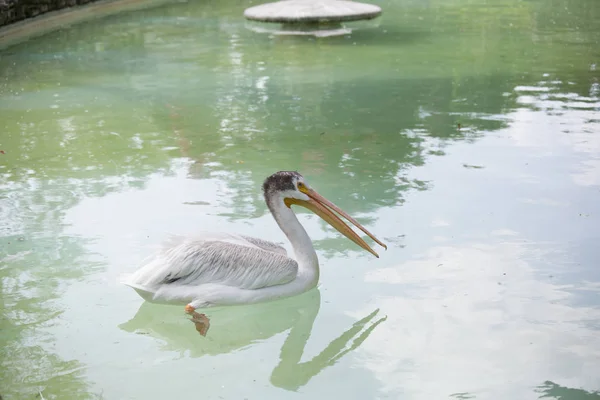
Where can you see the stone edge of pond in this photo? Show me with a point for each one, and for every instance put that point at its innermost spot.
(12, 11)
(19, 30)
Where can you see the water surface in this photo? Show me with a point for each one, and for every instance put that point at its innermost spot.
(466, 134)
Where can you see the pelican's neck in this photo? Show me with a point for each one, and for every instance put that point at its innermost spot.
(308, 262)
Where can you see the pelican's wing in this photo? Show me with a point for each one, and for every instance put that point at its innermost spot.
(266, 245)
(231, 261)
(174, 240)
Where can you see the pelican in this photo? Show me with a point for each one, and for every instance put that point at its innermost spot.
(220, 269)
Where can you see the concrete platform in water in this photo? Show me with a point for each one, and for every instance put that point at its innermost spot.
(310, 17)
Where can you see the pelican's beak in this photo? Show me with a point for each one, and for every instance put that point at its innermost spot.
(323, 208)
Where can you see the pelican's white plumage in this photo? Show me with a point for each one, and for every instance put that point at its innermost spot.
(213, 269)
(213, 259)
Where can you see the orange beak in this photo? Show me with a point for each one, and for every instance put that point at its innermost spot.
(323, 208)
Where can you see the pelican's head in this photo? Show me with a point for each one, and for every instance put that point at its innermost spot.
(292, 188)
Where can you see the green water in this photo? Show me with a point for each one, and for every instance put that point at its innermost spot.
(463, 133)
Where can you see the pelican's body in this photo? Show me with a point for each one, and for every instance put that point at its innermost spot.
(216, 269)
(221, 269)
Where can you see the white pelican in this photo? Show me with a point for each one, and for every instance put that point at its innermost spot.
(216, 269)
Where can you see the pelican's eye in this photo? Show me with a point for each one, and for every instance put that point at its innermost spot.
(301, 187)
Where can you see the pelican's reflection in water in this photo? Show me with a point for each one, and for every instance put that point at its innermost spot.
(232, 328)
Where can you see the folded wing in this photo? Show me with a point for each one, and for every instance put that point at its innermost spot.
(231, 260)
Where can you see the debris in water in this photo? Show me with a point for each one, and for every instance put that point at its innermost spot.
(473, 166)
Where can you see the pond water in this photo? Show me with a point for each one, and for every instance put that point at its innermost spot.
(464, 134)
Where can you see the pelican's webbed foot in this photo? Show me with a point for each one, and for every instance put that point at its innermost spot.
(201, 321)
